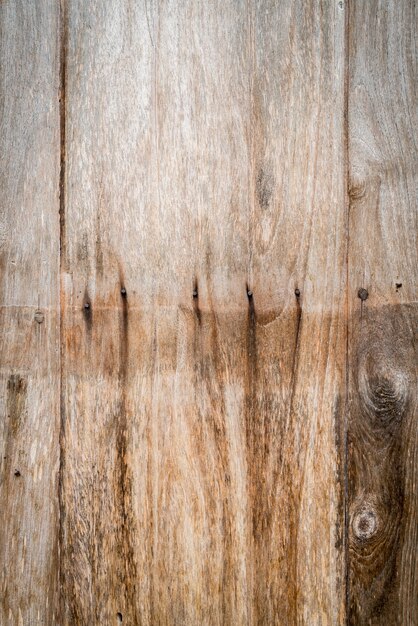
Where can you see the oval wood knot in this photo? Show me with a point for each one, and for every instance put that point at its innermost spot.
(365, 524)
(357, 189)
(385, 390)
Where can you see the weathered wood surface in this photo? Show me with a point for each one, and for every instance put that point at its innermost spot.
(382, 424)
(29, 312)
(232, 173)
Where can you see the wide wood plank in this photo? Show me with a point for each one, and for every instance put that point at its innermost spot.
(29, 311)
(382, 428)
(204, 184)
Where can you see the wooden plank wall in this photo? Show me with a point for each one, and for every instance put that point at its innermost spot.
(29, 312)
(208, 255)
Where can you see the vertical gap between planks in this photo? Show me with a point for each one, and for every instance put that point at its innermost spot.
(63, 41)
(347, 299)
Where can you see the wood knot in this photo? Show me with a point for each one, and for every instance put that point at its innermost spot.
(264, 188)
(364, 524)
(384, 390)
(357, 189)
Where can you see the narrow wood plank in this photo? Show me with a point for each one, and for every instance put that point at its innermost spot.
(29, 311)
(383, 434)
(203, 128)
(107, 338)
(297, 340)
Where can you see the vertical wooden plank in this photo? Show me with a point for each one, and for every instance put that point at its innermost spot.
(201, 548)
(297, 312)
(205, 177)
(383, 443)
(107, 280)
(29, 311)
(154, 474)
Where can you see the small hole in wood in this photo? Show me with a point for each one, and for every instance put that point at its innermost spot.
(87, 305)
(398, 286)
(17, 473)
(297, 293)
(119, 616)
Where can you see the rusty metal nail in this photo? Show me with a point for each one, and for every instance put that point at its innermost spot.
(39, 317)
(363, 294)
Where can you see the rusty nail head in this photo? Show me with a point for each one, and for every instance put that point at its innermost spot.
(363, 294)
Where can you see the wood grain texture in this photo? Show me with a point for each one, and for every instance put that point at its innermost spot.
(200, 404)
(29, 312)
(382, 428)
(297, 275)
(207, 296)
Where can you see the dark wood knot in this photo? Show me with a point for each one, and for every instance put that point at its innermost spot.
(384, 390)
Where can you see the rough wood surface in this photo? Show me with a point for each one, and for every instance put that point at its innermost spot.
(29, 300)
(229, 436)
(383, 260)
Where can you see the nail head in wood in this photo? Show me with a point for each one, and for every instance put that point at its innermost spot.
(297, 293)
(87, 305)
(363, 294)
(39, 317)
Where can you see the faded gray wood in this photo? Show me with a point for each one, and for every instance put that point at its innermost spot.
(29, 311)
(382, 428)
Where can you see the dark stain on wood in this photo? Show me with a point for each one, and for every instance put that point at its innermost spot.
(87, 312)
(15, 406)
(196, 306)
(62, 129)
(339, 438)
(381, 417)
(126, 529)
(16, 400)
(264, 188)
